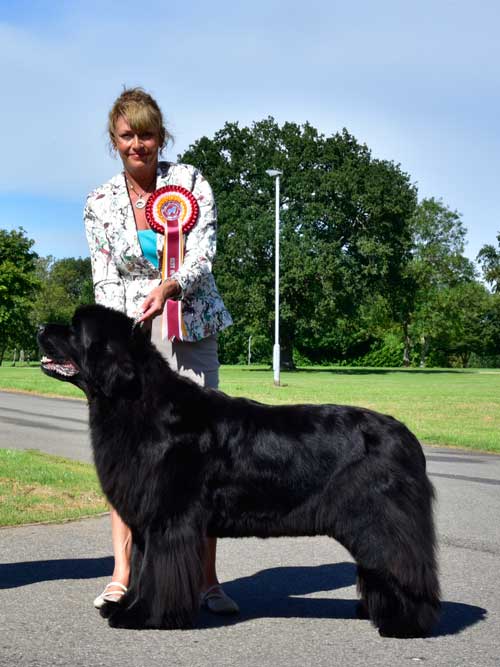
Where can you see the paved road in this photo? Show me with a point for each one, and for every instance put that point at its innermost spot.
(297, 595)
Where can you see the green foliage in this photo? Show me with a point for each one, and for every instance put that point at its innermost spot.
(65, 284)
(489, 259)
(387, 353)
(344, 233)
(484, 361)
(446, 302)
(34, 290)
(18, 284)
(438, 246)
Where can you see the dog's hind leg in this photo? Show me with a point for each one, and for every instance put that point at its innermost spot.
(399, 606)
(166, 580)
(391, 537)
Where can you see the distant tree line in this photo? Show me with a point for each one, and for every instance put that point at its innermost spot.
(369, 275)
(35, 290)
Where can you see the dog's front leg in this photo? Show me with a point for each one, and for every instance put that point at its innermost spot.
(166, 579)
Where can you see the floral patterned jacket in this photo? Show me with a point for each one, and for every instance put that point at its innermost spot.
(123, 277)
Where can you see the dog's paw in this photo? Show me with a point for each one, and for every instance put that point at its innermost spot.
(131, 621)
(121, 618)
(179, 620)
(108, 608)
(139, 617)
(400, 630)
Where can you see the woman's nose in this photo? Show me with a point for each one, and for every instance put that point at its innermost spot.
(136, 141)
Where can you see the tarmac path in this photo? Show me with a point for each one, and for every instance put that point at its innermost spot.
(297, 595)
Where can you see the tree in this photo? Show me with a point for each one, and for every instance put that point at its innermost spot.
(489, 259)
(490, 333)
(65, 284)
(463, 324)
(437, 272)
(344, 233)
(18, 285)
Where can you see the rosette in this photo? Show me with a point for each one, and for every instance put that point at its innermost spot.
(172, 211)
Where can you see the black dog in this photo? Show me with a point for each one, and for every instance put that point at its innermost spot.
(179, 462)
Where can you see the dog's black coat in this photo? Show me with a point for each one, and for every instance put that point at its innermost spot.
(179, 462)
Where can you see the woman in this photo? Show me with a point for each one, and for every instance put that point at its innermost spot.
(126, 256)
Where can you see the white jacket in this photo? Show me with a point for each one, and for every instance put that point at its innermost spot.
(123, 277)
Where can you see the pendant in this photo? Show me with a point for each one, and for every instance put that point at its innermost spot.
(140, 203)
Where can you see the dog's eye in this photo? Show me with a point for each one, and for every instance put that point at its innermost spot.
(110, 348)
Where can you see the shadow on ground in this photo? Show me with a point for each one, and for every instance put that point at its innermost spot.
(273, 593)
(277, 593)
(13, 575)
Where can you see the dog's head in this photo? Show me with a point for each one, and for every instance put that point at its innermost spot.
(96, 352)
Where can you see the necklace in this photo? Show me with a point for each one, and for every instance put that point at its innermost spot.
(140, 202)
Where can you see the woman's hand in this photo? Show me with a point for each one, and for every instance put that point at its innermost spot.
(154, 302)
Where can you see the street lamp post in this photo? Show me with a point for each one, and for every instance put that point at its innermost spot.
(274, 173)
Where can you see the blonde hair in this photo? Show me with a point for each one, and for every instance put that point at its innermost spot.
(142, 114)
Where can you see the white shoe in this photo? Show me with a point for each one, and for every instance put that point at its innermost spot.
(215, 600)
(109, 595)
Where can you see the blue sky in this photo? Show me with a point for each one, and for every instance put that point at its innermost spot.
(419, 83)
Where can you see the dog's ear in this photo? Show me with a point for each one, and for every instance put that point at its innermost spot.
(114, 369)
(119, 377)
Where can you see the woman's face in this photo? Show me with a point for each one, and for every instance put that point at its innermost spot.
(136, 150)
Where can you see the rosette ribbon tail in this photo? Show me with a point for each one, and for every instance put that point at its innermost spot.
(173, 250)
(172, 210)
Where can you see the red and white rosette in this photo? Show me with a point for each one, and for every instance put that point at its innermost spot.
(173, 211)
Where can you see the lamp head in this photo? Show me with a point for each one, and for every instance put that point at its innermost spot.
(273, 172)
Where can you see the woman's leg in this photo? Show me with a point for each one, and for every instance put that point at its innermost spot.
(209, 569)
(121, 538)
(214, 598)
(199, 362)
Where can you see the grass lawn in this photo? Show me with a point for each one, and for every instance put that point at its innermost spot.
(37, 487)
(443, 407)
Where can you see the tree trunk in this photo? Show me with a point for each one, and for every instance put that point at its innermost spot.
(407, 347)
(424, 347)
(286, 357)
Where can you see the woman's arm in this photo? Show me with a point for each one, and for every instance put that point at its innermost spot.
(109, 288)
(154, 302)
(198, 254)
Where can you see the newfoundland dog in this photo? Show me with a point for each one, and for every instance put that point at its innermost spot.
(179, 462)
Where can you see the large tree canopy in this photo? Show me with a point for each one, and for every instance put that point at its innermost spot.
(345, 234)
